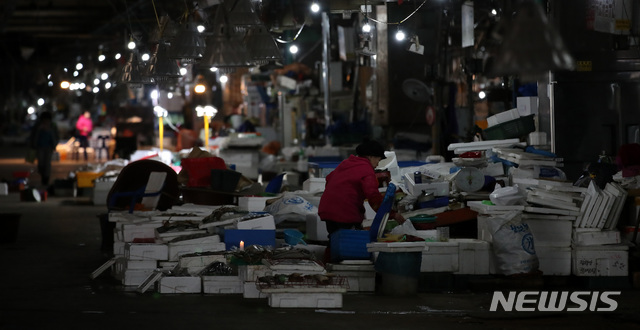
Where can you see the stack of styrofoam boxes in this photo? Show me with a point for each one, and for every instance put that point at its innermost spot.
(219, 284)
(438, 188)
(361, 277)
(473, 256)
(257, 221)
(603, 260)
(133, 253)
(552, 239)
(180, 284)
(440, 257)
(249, 274)
(302, 296)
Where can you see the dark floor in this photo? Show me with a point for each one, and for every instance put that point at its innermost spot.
(44, 283)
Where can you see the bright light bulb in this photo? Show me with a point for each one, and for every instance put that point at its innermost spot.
(50, 84)
(169, 95)
(40, 101)
(293, 49)
(131, 45)
(76, 73)
(494, 12)
(482, 95)
(201, 28)
(154, 94)
(96, 81)
(315, 7)
(96, 90)
(31, 110)
(183, 71)
(199, 88)
(104, 76)
(213, 69)
(145, 57)
(366, 28)
(101, 58)
(400, 35)
(107, 85)
(117, 56)
(224, 79)
(79, 66)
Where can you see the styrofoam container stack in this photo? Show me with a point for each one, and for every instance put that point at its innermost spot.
(602, 260)
(194, 263)
(551, 232)
(361, 277)
(589, 237)
(180, 284)
(249, 274)
(554, 260)
(145, 251)
(440, 257)
(209, 243)
(264, 221)
(130, 232)
(222, 285)
(473, 256)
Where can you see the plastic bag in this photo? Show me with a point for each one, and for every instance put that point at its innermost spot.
(513, 245)
(292, 206)
(405, 228)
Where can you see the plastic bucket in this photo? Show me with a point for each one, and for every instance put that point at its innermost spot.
(10, 223)
(293, 237)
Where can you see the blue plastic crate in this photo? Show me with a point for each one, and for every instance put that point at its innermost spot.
(349, 244)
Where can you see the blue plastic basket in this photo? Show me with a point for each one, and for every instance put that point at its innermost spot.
(349, 244)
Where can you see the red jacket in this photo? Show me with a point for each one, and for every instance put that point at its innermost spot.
(346, 189)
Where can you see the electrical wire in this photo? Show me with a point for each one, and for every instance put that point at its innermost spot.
(294, 38)
(399, 22)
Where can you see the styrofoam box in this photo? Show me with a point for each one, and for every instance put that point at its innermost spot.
(551, 232)
(473, 256)
(135, 277)
(123, 264)
(246, 162)
(554, 260)
(603, 260)
(180, 284)
(197, 262)
(101, 191)
(361, 278)
(316, 229)
(305, 300)
(527, 105)
(437, 188)
(250, 290)
(503, 117)
(142, 230)
(167, 265)
(143, 251)
(250, 273)
(253, 203)
(118, 249)
(177, 250)
(222, 284)
(314, 184)
(440, 257)
(263, 222)
(600, 237)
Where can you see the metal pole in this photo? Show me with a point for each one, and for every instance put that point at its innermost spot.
(326, 62)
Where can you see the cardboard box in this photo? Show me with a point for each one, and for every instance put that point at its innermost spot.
(180, 284)
(604, 260)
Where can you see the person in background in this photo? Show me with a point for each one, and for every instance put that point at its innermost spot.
(44, 138)
(84, 126)
(349, 185)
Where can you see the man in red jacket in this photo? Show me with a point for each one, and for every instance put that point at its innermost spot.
(349, 185)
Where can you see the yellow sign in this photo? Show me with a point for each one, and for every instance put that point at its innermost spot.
(623, 25)
(584, 66)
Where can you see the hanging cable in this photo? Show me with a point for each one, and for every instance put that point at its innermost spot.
(399, 22)
(294, 38)
(156, 12)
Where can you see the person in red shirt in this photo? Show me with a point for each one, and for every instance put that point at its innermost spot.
(349, 185)
(84, 126)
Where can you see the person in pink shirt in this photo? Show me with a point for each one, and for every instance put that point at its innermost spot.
(84, 126)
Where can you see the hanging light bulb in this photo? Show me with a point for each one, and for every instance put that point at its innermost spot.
(315, 7)
(293, 49)
(400, 35)
(131, 45)
(366, 27)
